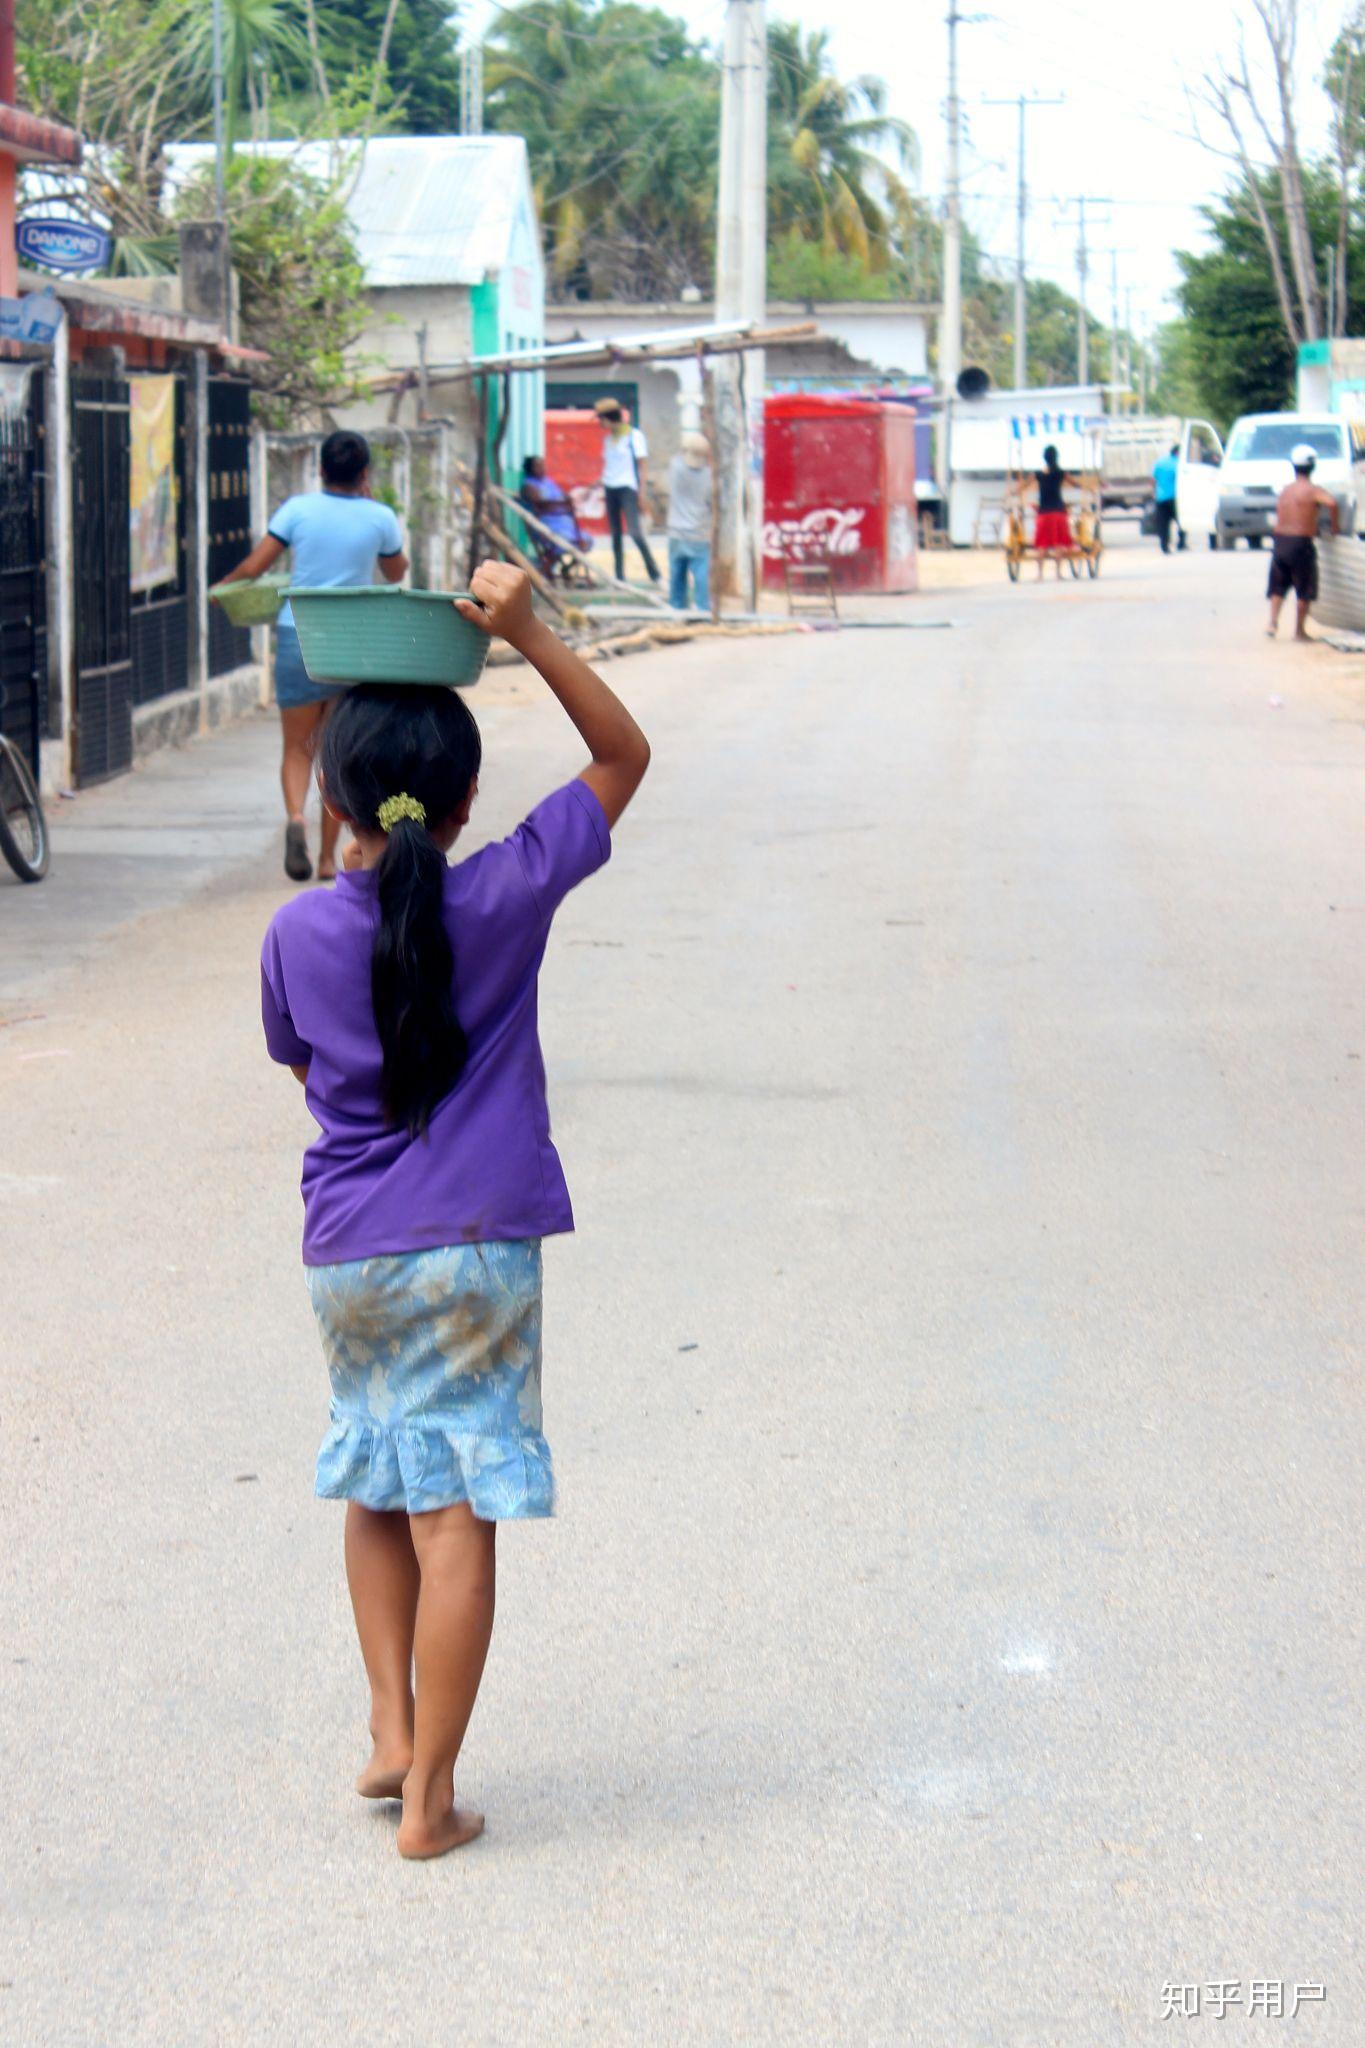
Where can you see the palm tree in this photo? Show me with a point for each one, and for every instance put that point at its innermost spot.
(261, 39)
(834, 153)
(619, 112)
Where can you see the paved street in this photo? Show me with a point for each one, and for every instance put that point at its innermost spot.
(952, 1628)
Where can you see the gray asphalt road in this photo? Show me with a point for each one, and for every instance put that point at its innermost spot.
(951, 1633)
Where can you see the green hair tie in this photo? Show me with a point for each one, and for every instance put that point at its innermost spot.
(395, 807)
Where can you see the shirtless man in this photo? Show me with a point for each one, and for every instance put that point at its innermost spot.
(1294, 560)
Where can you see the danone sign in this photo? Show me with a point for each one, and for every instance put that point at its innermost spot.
(63, 244)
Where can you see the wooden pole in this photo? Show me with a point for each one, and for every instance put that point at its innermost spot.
(567, 547)
(708, 427)
(500, 538)
(480, 477)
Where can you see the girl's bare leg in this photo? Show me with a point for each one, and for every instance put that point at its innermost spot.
(381, 1571)
(331, 827)
(456, 1558)
(300, 725)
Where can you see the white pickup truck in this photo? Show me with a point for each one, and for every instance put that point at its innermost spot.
(1134, 446)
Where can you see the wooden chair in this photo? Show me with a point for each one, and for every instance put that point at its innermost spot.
(809, 583)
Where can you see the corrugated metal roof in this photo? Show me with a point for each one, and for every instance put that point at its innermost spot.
(424, 209)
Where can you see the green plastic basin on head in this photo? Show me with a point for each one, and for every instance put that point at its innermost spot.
(254, 602)
(382, 634)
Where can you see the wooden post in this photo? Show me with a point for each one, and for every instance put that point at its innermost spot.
(708, 427)
(57, 753)
(480, 476)
(196, 389)
(500, 538)
(637, 597)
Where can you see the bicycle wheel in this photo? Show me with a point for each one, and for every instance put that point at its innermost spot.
(23, 828)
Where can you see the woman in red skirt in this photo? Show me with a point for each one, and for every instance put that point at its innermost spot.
(1052, 531)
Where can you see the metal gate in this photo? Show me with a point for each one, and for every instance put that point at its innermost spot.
(230, 535)
(104, 668)
(160, 618)
(23, 579)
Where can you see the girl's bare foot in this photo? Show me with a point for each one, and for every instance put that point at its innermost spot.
(383, 1775)
(419, 1838)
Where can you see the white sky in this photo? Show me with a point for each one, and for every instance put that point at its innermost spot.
(1123, 134)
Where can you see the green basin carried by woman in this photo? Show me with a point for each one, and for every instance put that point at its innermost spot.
(381, 634)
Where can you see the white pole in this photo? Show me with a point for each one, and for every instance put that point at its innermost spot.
(219, 125)
(950, 341)
(58, 757)
(950, 330)
(1082, 317)
(741, 293)
(1020, 293)
(754, 202)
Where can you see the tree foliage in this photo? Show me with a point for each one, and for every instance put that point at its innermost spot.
(1241, 358)
(302, 288)
(836, 158)
(620, 109)
(131, 77)
(420, 92)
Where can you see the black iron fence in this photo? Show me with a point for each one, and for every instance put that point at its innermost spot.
(160, 617)
(230, 535)
(104, 668)
(23, 572)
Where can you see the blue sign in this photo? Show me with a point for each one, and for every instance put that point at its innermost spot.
(35, 318)
(63, 244)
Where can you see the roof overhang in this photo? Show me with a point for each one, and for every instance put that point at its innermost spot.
(32, 140)
(99, 311)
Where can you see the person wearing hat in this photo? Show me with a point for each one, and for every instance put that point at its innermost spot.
(1294, 556)
(624, 484)
(689, 524)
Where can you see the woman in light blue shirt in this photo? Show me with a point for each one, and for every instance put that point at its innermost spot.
(339, 537)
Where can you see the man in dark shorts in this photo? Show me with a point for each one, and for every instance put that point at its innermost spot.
(1294, 560)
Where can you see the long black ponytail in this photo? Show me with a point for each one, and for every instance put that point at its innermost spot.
(387, 741)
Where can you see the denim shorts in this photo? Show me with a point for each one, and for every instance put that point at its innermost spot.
(293, 684)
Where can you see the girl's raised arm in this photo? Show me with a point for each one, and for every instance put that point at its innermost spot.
(620, 751)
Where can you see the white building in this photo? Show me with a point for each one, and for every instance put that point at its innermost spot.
(446, 231)
(862, 341)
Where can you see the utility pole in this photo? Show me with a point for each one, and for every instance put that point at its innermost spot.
(471, 88)
(741, 297)
(219, 125)
(1114, 329)
(1082, 274)
(1083, 317)
(1023, 101)
(950, 336)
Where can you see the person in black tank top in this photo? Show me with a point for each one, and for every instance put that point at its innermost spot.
(1050, 498)
(1052, 529)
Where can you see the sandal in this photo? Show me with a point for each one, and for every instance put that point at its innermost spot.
(297, 865)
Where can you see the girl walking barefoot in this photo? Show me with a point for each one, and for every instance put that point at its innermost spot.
(405, 1001)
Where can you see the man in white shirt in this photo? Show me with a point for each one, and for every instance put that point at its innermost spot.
(624, 484)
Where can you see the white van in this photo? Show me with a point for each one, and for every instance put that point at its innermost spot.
(1256, 467)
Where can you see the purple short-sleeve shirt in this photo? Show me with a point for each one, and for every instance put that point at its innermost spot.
(485, 1168)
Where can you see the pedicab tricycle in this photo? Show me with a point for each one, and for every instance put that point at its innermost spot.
(1063, 530)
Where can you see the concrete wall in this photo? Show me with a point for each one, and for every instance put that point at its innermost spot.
(391, 332)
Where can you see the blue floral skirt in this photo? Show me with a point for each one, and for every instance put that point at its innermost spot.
(434, 1358)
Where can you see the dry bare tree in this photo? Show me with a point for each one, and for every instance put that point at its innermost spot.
(1239, 103)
